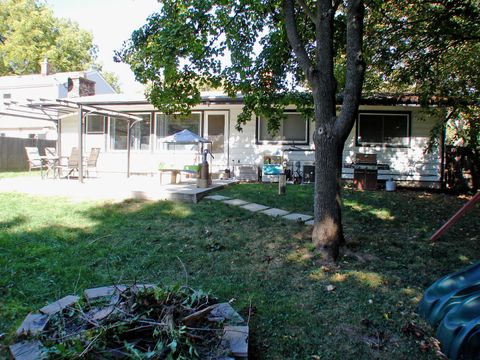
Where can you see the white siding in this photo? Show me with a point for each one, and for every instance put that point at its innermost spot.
(407, 163)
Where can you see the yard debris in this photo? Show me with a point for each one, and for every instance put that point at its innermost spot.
(144, 321)
(330, 287)
(424, 341)
(33, 324)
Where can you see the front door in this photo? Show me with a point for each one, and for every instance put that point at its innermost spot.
(216, 130)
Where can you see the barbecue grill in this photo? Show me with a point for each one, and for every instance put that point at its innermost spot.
(365, 171)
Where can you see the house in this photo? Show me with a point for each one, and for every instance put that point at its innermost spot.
(18, 89)
(396, 129)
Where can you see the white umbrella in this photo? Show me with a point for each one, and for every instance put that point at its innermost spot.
(185, 137)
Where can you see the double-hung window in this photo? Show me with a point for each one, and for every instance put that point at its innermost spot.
(95, 124)
(390, 129)
(293, 129)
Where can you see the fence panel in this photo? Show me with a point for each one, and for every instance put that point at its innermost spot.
(12, 152)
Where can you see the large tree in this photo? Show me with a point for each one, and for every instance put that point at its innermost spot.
(432, 48)
(273, 47)
(29, 32)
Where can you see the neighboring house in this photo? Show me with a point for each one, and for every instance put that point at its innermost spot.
(20, 88)
(397, 130)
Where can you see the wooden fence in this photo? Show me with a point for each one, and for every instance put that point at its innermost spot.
(462, 169)
(12, 152)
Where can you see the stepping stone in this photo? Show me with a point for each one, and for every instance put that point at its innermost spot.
(59, 305)
(216, 197)
(226, 314)
(33, 324)
(103, 291)
(297, 217)
(236, 202)
(254, 207)
(309, 222)
(237, 338)
(27, 350)
(275, 212)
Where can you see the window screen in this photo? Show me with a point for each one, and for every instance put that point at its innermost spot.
(388, 129)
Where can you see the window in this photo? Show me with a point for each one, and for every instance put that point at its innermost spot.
(118, 133)
(7, 96)
(139, 133)
(95, 124)
(385, 129)
(170, 124)
(293, 129)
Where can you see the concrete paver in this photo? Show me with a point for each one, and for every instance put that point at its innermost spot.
(275, 212)
(297, 217)
(253, 207)
(236, 202)
(216, 197)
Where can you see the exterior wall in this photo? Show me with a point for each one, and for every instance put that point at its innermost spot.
(403, 163)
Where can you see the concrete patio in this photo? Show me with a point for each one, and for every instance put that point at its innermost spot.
(110, 187)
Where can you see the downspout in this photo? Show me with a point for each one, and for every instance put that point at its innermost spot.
(442, 156)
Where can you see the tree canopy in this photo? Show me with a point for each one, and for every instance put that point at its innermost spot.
(29, 32)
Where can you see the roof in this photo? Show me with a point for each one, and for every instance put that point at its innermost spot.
(385, 99)
(38, 80)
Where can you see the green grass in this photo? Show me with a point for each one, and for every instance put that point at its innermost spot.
(52, 247)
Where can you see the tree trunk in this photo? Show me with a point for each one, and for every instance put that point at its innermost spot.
(327, 231)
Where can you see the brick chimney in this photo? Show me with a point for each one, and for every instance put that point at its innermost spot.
(45, 67)
(80, 86)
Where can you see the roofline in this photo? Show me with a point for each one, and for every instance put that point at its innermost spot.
(405, 99)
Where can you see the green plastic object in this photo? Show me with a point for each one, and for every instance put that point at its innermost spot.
(449, 291)
(459, 331)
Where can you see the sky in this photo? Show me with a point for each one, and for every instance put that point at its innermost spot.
(111, 22)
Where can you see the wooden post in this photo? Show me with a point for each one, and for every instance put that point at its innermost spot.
(456, 217)
(80, 144)
(282, 184)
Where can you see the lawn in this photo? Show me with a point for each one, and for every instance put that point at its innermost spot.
(52, 247)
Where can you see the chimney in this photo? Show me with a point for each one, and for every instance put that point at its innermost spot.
(45, 67)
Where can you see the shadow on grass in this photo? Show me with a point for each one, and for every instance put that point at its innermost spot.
(5, 225)
(260, 261)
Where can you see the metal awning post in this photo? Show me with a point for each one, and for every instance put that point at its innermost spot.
(80, 143)
(128, 147)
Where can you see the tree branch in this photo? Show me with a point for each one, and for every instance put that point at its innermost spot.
(308, 11)
(355, 71)
(294, 39)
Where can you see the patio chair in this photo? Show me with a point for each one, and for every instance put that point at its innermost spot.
(92, 160)
(34, 159)
(50, 152)
(51, 160)
(73, 164)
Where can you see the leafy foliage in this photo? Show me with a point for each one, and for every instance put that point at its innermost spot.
(241, 46)
(430, 46)
(30, 32)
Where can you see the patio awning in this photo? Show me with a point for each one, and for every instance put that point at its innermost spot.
(55, 110)
(185, 137)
